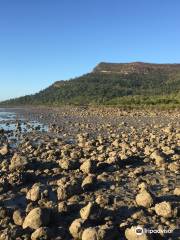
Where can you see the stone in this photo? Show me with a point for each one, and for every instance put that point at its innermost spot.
(91, 211)
(90, 233)
(18, 217)
(88, 166)
(107, 232)
(115, 143)
(138, 214)
(177, 191)
(174, 167)
(142, 186)
(158, 157)
(102, 200)
(88, 182)
(164, 209)
(175, 157)
(42, 233)
(62, 207)
(136, 233)
(69, 164)
(144, 199)
(37, 218)
(62, 193)
(18, 162)
(67, 190)
(76, 228)
(36, 192)
(4, 150)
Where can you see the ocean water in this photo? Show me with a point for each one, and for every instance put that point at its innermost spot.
(6, 116)
(9, 120)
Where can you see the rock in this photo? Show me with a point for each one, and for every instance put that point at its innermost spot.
(67, 190)
(18, 217)
(17, 178)
(174, 167)
(88, 166)
(175, 157)
(3, 213)
(142, 186)
(159, 157)
(144, 199)
(164, 209)
(69, 164)
(88, 182)
(42, 233)
(38, 191)
(147, 151)
(102, 200)
(136, 233)
(4, 150)
(138, 214)
(34, 193)
(76, 228)
(63, 193)
(177, 191)
(37, 218)
(106, 232)
(62, 207)
(18, 162)
(91, 211)
(116, 143)
(90, 233)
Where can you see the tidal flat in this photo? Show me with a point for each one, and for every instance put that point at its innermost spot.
(89, 173)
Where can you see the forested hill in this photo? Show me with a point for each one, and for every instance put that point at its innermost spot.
(114, 84)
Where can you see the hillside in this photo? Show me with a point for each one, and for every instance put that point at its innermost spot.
(114, 84)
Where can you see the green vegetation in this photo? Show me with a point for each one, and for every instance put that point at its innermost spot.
(134, 84)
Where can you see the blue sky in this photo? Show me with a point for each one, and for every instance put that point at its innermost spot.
(42, 41)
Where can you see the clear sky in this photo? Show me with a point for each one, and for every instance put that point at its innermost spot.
(42, 41)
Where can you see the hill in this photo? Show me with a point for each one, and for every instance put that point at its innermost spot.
(129, 84)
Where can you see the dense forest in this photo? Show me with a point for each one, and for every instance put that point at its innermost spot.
(131, 84)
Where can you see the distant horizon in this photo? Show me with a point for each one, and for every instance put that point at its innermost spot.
(42, 42)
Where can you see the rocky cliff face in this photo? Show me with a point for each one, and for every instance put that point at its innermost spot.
(134, 67)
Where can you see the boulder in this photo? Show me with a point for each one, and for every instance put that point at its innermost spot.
(158, 157)
(91, 211)
(69, 164)
(144, 199)
(136, 233)
(76, 228)
(37, 218)
(39, 191)
(88, 166)
(89, 182)
(42, 233)
(4, 150)
(177, 191)
(164, 209)
(90, 233)
(18, 162)
(107, 232)
(18, 217)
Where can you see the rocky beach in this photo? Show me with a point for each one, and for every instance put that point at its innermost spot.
(89, 173)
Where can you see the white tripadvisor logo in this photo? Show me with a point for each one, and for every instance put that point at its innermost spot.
(139, 230)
